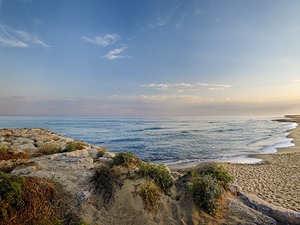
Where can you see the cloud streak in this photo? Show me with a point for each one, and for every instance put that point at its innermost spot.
(108, 39)
(10, 37)
(140, 106)
(184, 87)
(116, 54)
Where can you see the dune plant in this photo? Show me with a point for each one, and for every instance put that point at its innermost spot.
(105, 181)
(209, 182)
(125, 159)
(205, 191)
(151, 196)
(219, 172)
(159, 173)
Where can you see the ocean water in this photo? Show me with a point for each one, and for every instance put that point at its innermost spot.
(173, 141)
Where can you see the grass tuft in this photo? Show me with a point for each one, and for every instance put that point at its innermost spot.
(105, 180)
(151, 196)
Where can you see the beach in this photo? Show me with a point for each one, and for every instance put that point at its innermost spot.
(276, 179)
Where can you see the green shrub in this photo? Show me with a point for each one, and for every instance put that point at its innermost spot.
(73, 146)
(125, 159)
(205, 191)
(219, 172)
(150, 194)
(159, 173)
(10, 195)
(105, 180)
(208, 184)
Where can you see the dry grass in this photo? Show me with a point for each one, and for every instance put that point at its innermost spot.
(106, 180)
(32, 201)
(151, 196)
(7, 154)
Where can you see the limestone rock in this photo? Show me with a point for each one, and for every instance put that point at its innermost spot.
(109, 154)
(83, 196)
(76, 160)
(105, 160)
(93, 152)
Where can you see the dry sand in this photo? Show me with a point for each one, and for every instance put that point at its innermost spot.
(277, 179)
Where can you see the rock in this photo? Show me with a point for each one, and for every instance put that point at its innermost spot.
(93, 152)
(105, 160)
(5, 144)
(26, 146)
(24, 170)
(109, 154)
(76, 160)
(23, 141)
(83, 196)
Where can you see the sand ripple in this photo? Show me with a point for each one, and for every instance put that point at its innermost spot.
(277, 181)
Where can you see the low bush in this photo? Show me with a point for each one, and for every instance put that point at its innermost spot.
(208, 184)
(49, 148)
(159, 173)
(73, 146)
(150, 194)
(105, 180)
(125, 159)
(205, 191)
(219, 172)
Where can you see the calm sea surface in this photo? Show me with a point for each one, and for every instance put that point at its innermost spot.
(170, 140)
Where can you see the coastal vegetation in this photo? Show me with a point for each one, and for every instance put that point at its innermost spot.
(151, 195)
(32, 200)
(159, 173)
(105, 180)
(209, 182)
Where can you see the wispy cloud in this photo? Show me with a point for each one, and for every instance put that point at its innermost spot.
(116, 54)
(184, 87)
(17, 38)
(108, 39)
(162, 20)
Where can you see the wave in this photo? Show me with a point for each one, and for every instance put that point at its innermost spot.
(127, 140)
(227, 130)
(151, 128)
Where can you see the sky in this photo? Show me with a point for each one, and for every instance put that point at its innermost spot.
(149, 57)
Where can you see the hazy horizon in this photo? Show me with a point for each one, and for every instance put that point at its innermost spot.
(149, 58)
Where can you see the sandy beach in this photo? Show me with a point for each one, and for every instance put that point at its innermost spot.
(276, 179)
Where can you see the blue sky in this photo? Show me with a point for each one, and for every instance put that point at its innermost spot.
(149, 58)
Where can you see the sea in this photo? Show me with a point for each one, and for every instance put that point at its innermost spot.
(174, 141)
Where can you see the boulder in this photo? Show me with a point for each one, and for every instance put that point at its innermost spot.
(109, 154)
(83, 196)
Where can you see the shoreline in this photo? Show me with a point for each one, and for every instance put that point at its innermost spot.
(294, 134)
(257, 158)
(276, 178)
